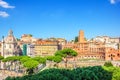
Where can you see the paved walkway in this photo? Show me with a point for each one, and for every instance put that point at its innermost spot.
(6, 73)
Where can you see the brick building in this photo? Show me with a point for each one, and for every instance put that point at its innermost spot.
(95, 49)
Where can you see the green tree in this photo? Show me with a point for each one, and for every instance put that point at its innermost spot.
(67, 52)
(57, 59)
(24, 59)
(85, 39)
(49, 58)
(76, 39)
(40, 59)
(60, 53)
(30, 65)
(84, 73)
(30, 35)
(108, 64)
(1, 58)
(18, 39)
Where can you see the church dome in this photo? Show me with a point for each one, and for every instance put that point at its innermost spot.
(10, 38)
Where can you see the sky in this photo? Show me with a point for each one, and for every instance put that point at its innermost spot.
(60, 18)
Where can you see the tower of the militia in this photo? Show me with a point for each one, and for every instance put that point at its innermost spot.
(81, 38)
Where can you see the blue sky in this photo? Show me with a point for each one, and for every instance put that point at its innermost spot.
(60, 18)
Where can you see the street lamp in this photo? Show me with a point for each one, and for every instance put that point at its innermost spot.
(3, 53)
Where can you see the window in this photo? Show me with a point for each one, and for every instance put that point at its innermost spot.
(118, 54)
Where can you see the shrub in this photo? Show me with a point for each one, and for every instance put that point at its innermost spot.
(108, 64)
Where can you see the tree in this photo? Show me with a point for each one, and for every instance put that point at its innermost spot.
(60, 53)
(30, 35)
(30, 65)
(108, 64)
(18, 39)
(50, 58)
(85, 39)
(67, 52)
(40, 59)
(1, 57)
(57, 59)
(24, 59)
(76, 39)
(84, 73)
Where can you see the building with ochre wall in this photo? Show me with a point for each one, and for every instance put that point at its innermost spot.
(45, 48)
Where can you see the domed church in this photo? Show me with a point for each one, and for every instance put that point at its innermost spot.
(9, 46)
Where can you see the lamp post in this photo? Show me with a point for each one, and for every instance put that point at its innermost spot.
(3, 66)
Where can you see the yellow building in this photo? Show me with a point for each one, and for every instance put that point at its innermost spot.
(45, 47)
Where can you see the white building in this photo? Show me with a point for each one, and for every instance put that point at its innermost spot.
(9, 46)
(30, 50)
(108, 41)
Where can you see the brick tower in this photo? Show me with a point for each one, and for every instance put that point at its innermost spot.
(81, 37)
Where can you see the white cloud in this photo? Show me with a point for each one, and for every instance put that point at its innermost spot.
(112, 1)
(3, 14)
(5, 4)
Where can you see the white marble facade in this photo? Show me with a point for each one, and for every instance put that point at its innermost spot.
(9, 46)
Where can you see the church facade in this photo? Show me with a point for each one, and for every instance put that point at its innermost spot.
(9, 46)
